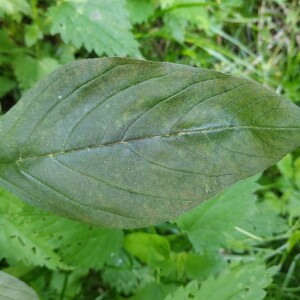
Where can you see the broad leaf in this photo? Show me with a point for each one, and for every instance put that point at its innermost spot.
(127, 143)
(14, 289)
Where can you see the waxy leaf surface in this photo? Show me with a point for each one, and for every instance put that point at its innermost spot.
(127, 143)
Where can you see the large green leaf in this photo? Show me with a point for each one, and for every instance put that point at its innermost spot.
(14, 289)
(128, 143)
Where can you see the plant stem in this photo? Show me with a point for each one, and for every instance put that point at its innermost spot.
(62, 294)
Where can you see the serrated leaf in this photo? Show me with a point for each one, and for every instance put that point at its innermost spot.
(38, 238)
(246, 282)
(214, 224)
(209, 225)
(14, 289)
(17, 241)
(240, 282)
(12, 7)
(6, 85)
(29, 70)
(201, 266)
(102, 26)
(6, 45)
(155, 291)
(79, 245)
(127, 280)
(127, 143)
(149, 248)
(33, 33)
(180, 13)
(140, 10)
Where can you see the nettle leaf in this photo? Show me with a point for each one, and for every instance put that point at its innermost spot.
(102, 26)
(29, 70)
(12, 7)
(140, 10)
(15, 289)
(6, 85)
(245, 281)
(126, 143)
(18, 241)
(41, 239)
(214, 224)
(178, 14)
(149, 248)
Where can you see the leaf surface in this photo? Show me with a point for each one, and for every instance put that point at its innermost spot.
(14, 289)
(126, 143)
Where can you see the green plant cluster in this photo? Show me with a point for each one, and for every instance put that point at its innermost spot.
(244, 243)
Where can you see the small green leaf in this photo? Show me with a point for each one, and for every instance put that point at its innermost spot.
(12, 7)
(140, 10)
(6, 45)
(149, 248)
(155, 291)
(29, 70)
(126, 143)
(102, 26)
(32, 34)
(6, 85)
(18, 241)
(180, 13)
(14, 289)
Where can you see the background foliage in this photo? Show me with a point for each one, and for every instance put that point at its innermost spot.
(245, 243)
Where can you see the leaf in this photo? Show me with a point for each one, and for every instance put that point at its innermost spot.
(241, 282)
(6, 45)
(127, 280)
(140, 10)
(39, 238)
(15, 289)
(18, 242)
(6, 85)
(127, 143)
(246, 281)
(155, 291)
(12, 7)
(149, 248)
(79, 245)
(201, 266)
(209, 225)
(102, 26)
(33, 33)
(214, 224)
(29, 70)
(179, 13)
